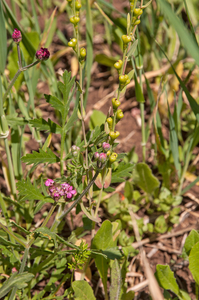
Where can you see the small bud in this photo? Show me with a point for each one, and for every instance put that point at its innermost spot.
(126, 39)
(74, 20)
(137, 22)
(114, 135)
(106, 146)
(118, 64)
(72, 43)
(113, 157)
(82, 53)
(17, 37)
(137, 12)
(77, 5)
(96, 155)
(116, 103)
(119, 114)
(102, 157)
(42, 54)
(110, 122)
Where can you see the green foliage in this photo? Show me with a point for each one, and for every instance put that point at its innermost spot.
(82, 290)
(143, 177)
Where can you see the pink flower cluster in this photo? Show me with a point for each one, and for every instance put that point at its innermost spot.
(42, 54)
(65, 190)
(101, 157)
(17, 37)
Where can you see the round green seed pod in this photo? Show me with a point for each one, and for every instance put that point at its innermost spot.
(138, 12)
(82, 53)
(126, 39)
(77, 5)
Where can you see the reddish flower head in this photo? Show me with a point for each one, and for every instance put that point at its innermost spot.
(17, 37)
(42, 54)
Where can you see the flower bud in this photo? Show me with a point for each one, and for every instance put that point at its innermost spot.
(96, 155)
(119, 114)
(17, 37)
(106, 146)
(102, 157)
(42, 54)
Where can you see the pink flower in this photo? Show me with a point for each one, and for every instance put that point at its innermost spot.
(49, 182)
(96, 155)
(42, 54)
(17, 37)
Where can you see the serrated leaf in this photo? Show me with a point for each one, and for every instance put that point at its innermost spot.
(29, 191)
(166, 280)
(123, 170)
(194, 262)
(13, 120)
(42, 124)
(143, 177)
(40, 157)
(54, 102)
(16, 280)
(115, 281)
(82, 290)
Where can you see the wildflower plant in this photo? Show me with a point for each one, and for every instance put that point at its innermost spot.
(89, 163)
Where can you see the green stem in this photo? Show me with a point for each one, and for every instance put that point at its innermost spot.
(63, 136)
(11, 234)
(142, 121)
(16, 76)
(23, 264)
(184, 172)
(82, 113)
(10, 168)
(19, 56)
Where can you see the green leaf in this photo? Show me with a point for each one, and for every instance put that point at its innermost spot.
(13, 120)
(71, 120)
(102, 265)
(82, 290)
(40, 157)
(105, 60)
(138, 91)
(123, 170)
(15, 281)
(185, 36)
(166, 279)
(192, 102)
(42, 124)
(143, 177)
(3, 41)
(116, 281)
(191, 240)
(54, 102)
(174, 142)
(97, 119)
(160, 225)
(104, 237)
(29, 191)
(194, 262)
(132, 49)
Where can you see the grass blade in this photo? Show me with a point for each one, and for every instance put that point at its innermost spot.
(3, 41)
(186, 38)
